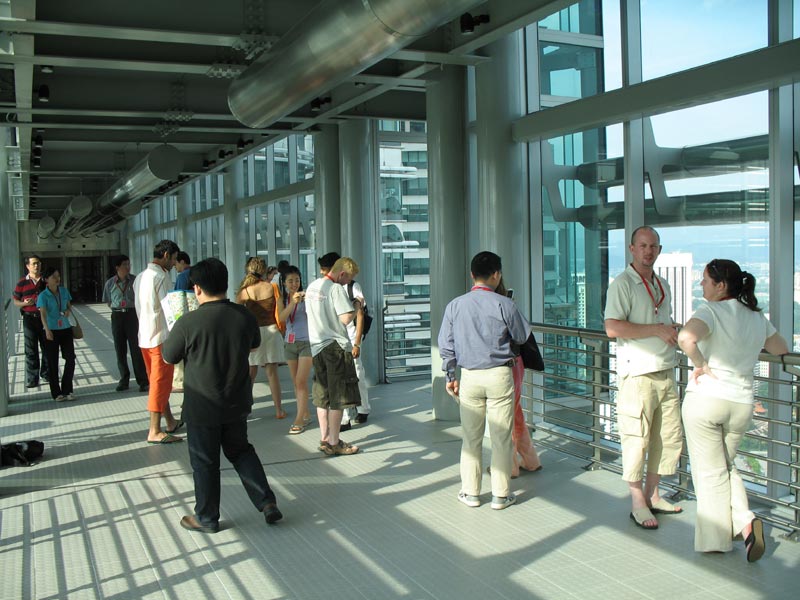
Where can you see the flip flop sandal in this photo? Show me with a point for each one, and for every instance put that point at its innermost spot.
(295, 429)
(663, 507)
(640, 515)
(167, 439)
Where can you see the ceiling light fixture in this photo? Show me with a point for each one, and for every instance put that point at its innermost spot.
(38, 141)
(37, 151)
(47, 69)
(469, 23)
(37, 162)
(44, 93)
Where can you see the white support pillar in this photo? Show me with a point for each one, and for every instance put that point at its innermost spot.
(447, 209)
(503, 221)
(781, 244)
(326, 190)
(360, 227)
(233, 223)
(633, 137)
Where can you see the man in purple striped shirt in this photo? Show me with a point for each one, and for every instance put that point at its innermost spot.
(476, 335)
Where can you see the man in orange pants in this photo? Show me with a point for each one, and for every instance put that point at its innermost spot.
(150, 287)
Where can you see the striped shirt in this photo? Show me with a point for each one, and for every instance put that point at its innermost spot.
(28, 288)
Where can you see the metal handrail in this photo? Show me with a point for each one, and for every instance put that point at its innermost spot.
(571, 405)
(398, 356)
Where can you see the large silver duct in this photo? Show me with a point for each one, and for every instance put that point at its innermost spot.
(79, 208)
(110, 222)
(338, 39)
(162, 164)
(45, 227)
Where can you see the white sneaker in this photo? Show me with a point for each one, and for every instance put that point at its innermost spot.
(61, 398)
(71, 397)
(501, 502)
(471, 501)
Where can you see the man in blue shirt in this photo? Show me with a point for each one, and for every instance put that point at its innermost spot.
(118, 295)
(476, 335)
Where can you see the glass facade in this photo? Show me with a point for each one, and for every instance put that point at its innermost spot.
(682, 34)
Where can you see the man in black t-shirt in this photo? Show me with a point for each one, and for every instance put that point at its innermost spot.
(214, 342)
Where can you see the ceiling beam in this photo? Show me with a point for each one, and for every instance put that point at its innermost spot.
(440, 58)
(122, 33)
(108, 64)
(129, 127)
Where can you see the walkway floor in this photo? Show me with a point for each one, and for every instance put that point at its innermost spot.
(98, 518)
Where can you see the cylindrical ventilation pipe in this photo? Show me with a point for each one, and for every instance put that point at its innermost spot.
(163, 163)
(46, 226)
(338, 39)
(110, 222)
(77, 211)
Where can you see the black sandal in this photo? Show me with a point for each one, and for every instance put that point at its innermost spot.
(755, 541)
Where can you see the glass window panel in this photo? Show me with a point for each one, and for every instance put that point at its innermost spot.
(214, 196)
(569, 70)
(283, 238)
(796, 12)
(305, 157)
(582, 17)
(577, 220)
(260, 168)
(247, 163)
(262, 231)
(714, 202)
(281, 163)
(795, 345)
(306, 236)
(682, 34)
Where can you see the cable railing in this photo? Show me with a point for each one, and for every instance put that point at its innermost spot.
(572, 406)
(406, 338)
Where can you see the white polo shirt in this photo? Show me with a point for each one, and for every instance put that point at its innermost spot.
(150, 287)
(629, 300)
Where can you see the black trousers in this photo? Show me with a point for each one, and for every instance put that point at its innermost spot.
(204, 446)
(125, 331)
(33, 331)
(62, 340)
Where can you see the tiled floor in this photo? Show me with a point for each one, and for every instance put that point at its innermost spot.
(98, 518)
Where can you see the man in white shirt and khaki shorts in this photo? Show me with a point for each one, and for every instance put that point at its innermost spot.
(639, 314)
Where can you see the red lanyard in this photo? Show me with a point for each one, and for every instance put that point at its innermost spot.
(122, 289)
(481, 288)
(291, 317)
(650, 292)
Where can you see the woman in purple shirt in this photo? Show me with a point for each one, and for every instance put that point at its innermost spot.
(297, 347)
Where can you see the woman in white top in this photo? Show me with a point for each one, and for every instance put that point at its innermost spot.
(723, 340)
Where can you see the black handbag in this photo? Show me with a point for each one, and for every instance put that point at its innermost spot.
(531, 357)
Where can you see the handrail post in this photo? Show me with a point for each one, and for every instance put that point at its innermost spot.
(597, 387)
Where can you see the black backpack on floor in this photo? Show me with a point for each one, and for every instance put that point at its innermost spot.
(21, 454)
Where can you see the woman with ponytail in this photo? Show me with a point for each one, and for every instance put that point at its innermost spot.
(723, 340)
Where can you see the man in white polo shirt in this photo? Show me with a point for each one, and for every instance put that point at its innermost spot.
(639, 314)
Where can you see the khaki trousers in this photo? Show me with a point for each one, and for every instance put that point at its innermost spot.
(714, 429)
(486, 394)
(649, 422)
